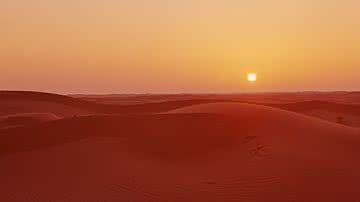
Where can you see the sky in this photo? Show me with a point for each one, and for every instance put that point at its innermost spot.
(179, 46)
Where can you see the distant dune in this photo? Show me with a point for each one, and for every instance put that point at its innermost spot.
(15, 102)
(202, 152)
(270, 98)
(338, 107)
(12, 102)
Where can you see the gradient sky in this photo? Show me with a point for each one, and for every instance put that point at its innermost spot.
(179, 46)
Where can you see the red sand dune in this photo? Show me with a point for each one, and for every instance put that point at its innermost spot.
(13, 102)
(206, 152)
(347, 114)
(328, 106)
(16, 120)
(270, 98)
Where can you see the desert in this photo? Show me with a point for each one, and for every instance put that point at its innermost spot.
(179, 101)
(201, 149)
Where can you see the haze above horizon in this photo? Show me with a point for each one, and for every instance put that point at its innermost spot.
(179, 46)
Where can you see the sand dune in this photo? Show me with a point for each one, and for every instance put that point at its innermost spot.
(16, 120)
(347, 114)
(336, 117)
(320, 105)
(270, 98)
(327, 106)
(206, 152)
(13, 102)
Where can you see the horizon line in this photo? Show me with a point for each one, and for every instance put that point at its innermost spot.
(185, 93)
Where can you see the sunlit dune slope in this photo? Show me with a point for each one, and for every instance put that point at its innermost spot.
(320, 105)
(347, 114)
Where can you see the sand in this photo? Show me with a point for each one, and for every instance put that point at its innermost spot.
(222, 151)
(17, 120)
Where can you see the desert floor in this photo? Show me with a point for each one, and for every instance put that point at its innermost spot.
(239, 147)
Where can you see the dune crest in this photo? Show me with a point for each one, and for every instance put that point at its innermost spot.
(256, 113)
(201, 152)
(16, 120)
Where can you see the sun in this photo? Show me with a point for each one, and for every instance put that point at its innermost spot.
(252, 77)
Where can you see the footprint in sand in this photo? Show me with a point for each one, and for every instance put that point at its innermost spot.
(258, 151)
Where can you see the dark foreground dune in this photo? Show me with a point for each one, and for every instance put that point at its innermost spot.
(202, 152)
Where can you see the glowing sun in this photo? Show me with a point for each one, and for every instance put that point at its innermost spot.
(252, 77)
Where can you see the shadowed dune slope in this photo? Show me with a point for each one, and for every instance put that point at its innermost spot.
(41, 96)
(13, 102)
(151, 133)
(208, 152)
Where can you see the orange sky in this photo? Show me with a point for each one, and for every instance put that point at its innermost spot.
(173, 46)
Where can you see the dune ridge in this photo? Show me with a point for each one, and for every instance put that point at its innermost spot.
(16, 120)
(207, 152)
(12, 102)
(233, 116)
(182, 151)
(63, 105)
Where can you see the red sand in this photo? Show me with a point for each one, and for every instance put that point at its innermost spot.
(203, 152)
(16, 120)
